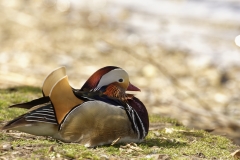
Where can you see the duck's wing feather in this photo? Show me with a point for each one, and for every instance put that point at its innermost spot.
(47, 86)
(43, 114)
(52, 79)
(57, 87)
(58, 92)
(63, 98)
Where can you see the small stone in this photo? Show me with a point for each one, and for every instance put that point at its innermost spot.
(58, 155)
(158, 156)
(104, 157)
(6, 146)
(164, 157)
(169, 130)
(156, 133)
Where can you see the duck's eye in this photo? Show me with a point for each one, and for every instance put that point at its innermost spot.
(120, 80)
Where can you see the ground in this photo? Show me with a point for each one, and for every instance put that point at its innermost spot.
(167, 139)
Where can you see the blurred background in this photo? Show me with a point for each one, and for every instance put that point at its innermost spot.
(183, 54)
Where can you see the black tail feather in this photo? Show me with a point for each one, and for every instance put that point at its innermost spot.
(31, 104)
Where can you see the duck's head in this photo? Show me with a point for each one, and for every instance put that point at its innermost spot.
(108, 75)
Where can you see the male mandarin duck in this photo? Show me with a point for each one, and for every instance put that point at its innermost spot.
(99, 113)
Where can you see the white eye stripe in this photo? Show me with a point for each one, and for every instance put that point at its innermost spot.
(113, 76)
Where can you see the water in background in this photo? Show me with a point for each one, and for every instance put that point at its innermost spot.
(205, 28)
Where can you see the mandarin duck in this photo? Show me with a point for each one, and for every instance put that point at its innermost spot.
(99, 113)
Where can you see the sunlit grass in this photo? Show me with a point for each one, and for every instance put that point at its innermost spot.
(177, 141)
